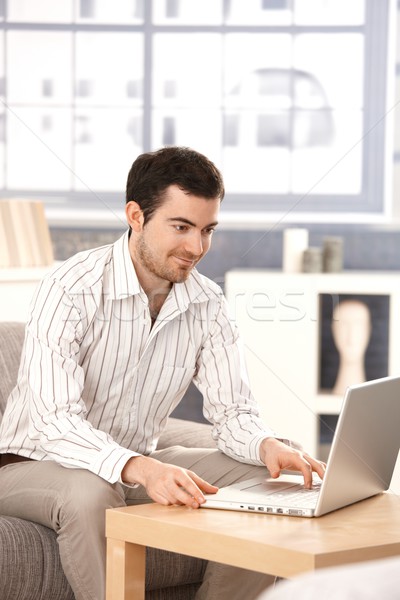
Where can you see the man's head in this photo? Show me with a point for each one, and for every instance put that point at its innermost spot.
(153, 172)
(172, 204)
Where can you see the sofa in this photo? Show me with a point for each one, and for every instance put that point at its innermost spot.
(30, 567)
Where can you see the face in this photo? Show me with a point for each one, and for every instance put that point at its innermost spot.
(174, 240)
(351, 328)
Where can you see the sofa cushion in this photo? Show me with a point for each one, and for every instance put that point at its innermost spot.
(30, 565)
(167, 569)
(11, 340)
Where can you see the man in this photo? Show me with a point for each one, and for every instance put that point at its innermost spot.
(115, 336)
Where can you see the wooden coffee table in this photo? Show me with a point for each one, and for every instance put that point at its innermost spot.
(282, 546)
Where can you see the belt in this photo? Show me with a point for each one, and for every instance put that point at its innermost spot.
(8, 459)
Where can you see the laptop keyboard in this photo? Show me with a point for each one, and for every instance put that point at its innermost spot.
(295, 497)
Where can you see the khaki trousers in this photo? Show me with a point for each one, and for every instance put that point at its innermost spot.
(72, 503)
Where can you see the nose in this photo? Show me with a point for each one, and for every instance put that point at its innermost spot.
(194, 244)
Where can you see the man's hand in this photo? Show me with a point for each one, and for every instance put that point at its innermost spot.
(165, 483)
(278, 456)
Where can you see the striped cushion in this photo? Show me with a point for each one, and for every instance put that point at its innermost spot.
(30, 566)
(11, 340)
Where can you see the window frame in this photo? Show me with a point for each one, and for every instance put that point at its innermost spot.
(377, 155)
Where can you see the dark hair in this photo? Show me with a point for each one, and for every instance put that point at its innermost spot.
(153, 172)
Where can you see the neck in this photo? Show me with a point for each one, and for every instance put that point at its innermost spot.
(156, 301)
(348, 374)
(155, 288)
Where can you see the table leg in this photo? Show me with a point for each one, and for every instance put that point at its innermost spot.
(126, 564)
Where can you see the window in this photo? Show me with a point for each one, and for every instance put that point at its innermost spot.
(290, 98)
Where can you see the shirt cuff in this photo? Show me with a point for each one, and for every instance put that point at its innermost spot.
(111, 461)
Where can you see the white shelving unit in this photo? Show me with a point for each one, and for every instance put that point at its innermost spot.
(279, 317)
(17, 287)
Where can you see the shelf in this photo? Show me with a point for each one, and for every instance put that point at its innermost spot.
(328, 404)
(19, 274)
(17, 287)
(285, 324)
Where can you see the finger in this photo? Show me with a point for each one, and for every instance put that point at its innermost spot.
(174, 494)
(274, 468)
(203, 485)
(317, 465)
(194, 487)
(183, 497)
(274, 472)
(187, 490)
(306, 470)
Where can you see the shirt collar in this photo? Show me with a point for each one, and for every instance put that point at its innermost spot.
(194, 290)
(123, 280)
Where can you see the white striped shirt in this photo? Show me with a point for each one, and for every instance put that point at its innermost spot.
(97, 383)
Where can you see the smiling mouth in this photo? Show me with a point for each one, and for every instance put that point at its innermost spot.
(185, 262)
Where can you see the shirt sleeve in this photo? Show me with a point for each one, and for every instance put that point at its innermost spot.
(228, 402)
(54, 383)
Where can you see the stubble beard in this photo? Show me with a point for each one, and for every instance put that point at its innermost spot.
(149, 261)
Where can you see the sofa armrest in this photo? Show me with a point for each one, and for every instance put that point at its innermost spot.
(30, 565)
(11, 341)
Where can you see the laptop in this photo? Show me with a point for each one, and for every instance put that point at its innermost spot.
(361, 461)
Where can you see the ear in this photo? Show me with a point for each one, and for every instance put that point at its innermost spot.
(134, 216)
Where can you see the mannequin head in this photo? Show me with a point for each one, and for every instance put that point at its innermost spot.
(351, 329)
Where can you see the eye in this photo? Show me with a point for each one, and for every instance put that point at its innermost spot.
(209, 231)
(181, 228)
